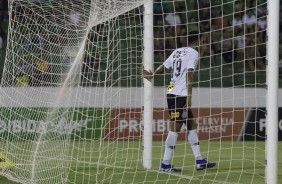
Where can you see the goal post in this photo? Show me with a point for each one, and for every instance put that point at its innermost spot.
(148, 59)
(74, 107)
(272, 92)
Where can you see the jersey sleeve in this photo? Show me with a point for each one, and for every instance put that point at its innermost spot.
(169, 62)
(193, 58)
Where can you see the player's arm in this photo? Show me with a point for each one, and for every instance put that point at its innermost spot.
(149, 74)
(189, 82)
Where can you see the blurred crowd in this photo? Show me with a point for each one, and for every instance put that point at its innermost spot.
(234, 31)
(238, 36)
(3, 17)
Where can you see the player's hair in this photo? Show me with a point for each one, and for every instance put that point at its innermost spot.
(193, 36)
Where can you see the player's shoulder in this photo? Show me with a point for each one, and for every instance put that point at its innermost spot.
(186, 50)
(192, 50)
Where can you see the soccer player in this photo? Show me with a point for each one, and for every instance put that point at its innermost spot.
(183, 62)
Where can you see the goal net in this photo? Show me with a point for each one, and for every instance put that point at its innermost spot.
(72, 93)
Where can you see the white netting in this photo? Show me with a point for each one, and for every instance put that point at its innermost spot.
(71, 96)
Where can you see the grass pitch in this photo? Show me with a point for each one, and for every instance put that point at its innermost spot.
(121, 162)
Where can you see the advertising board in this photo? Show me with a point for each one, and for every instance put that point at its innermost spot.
(213, 124)
(27, 122)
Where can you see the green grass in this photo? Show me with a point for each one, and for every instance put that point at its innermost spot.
(120, 162)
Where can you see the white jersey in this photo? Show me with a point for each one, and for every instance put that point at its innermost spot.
(180, 61)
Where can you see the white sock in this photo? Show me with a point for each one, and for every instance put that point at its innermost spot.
(194, 142)
(169, 147)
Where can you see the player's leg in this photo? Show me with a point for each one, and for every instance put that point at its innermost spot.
(170, 146)
(175, 126)
(193, 140)
(171, 141)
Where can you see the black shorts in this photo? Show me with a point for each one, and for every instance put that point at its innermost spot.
(176, 105)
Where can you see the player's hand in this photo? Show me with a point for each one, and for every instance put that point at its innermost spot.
(189, 102)
(147, 74)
